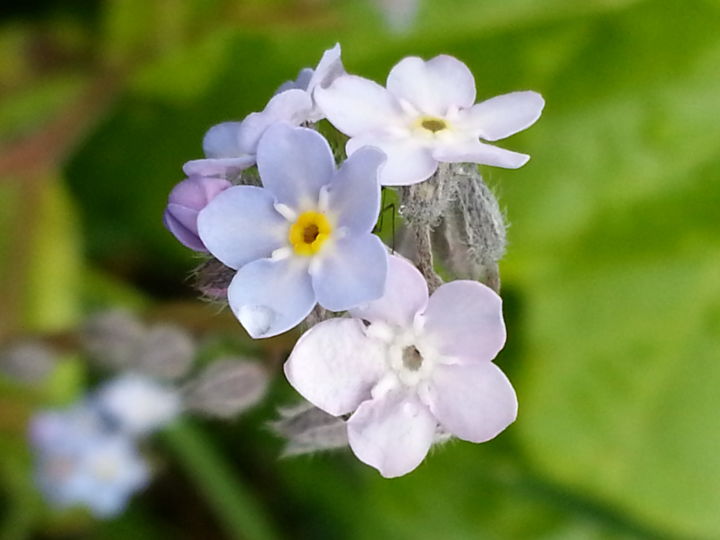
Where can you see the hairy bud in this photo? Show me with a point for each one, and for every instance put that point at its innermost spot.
(471, 236)
(28, 362)
(165, 352)
(212, 279)
(308, 429)
(110, 338)
(226, 388)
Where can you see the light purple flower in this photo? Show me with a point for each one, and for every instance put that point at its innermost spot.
(230, 147)
(137, 405)
(184, 202)
(427, 116)
(421, 363)
(80, 463)
(328, 69)
(304, 238)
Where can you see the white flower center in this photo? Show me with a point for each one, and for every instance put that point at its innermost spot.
(408, 355)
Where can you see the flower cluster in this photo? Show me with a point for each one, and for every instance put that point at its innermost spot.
(400, 367)
(87, 455)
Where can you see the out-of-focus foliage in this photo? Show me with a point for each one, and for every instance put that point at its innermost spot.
(611, 280)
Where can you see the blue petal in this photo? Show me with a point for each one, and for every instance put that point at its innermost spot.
(269, 297)
(351, 272)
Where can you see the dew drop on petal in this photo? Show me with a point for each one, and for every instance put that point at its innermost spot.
(256, 319)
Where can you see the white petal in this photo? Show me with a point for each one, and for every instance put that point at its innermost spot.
(334, 365)
(501, 116)
(355, 105)
(352, 272)
(408, 160)
(406, 294)
(464, 320)
(269, 297)
(294, 163)
(220, 168)
(434, 86)
(240, 225)
(392, 433)
(473, 402)
(473, 151)
(354, 193)
(223, 141)
(328, 69)
(289, 107)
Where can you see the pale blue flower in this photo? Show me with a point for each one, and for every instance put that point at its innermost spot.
(304, 238)
(79, 462)
(230, 147)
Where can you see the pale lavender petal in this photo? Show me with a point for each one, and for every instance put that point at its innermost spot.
(223, 141)
(219, 168)
(501, 116)
(241, 225)
(355, 105)
(473, 151)
(473, 402)
(294, 163)
(406, 294)
(433, 87)
(464, 321)
(354, 193)
(350, 272)
(289, 107)
(300, 83)
(269, 297)
(328, 69)
(185, 236)
(392, 433)
(408, 161)
(334, 365)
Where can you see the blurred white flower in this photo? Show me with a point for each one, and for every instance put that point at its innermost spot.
(137, 405)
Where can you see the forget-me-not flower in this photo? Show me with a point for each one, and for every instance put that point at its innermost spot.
(426, 116)
(230, 147)
(305, 237)
(419, 364)
(328, 69)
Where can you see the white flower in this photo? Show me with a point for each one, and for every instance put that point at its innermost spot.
(137, 405)
(79, 462)
(328, 69)
(230, 147)
(421, 363)
(427, 116)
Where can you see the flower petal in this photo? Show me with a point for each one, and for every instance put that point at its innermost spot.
(406, 294)
(223, 141)
(328, 69)
(464, 321)
(185, 236)
(408, 161)
(351, 272)
(269, 296)
(228, 168)
(355, 105)
(473, 402)
(294, 163)
(392, 433)
(501, 116)
(241, 225)
(434, 86)
(354, 193)
(289, 107)
(473, 151)
(334, 365)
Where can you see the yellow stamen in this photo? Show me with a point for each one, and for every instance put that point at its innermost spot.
(308, 234)
(432, 123)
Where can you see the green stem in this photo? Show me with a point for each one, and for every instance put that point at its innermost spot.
(235, 506)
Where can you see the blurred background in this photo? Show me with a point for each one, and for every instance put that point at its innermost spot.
(611, 282)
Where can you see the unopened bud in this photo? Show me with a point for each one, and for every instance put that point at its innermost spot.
(28, 362)
(226, 388)
(212, 279)
(308, 429)
(111, 338)
(165, 352)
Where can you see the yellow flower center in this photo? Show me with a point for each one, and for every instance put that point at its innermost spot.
(432, 123)
(308, 234)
